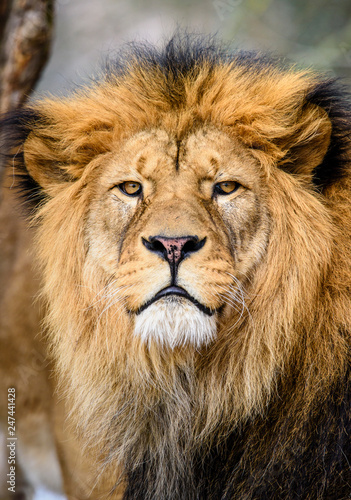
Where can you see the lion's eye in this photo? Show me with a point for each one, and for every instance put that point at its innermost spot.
(130, 188)
(225, 187)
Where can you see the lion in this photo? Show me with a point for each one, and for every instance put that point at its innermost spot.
(190, 222)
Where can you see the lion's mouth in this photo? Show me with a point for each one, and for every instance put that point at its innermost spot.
(177, 291)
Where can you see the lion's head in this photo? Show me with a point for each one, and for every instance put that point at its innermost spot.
(185, 210)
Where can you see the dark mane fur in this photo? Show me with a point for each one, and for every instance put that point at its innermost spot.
(334, 97)
(14, 130)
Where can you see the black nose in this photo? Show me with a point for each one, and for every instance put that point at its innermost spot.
(173, 250)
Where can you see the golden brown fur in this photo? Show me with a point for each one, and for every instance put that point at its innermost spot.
(274, 268)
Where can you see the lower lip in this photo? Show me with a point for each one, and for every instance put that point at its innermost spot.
(178, 292)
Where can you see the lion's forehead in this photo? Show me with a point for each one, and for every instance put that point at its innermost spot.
(203, 153)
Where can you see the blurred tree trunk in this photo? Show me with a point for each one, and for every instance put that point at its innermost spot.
(25, 36)
(25, 39)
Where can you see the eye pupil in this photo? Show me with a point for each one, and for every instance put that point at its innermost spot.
(226, 187)
(130, 188)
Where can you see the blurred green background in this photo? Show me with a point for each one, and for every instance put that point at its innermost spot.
(312, 33)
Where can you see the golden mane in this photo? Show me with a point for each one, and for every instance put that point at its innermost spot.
(248, 401)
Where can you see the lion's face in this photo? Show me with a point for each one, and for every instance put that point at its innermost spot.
(177, 227)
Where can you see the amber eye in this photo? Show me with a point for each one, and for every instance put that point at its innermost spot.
(130, 188)
(225, 187)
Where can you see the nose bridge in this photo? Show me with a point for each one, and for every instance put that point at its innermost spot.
(174, 216)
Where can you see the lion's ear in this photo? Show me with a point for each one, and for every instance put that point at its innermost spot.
(307, 144)
(32, 148)
(51, 143)
(45, 162)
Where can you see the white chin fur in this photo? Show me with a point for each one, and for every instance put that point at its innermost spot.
(173, 322)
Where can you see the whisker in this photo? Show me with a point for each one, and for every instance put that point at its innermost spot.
(111, 302)
(104, 289)
(234, 295)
